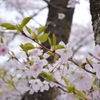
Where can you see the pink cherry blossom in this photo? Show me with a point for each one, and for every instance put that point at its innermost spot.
(72, 3)
(37, 52)
(70, 97)
(96, 52)
(82, 80)
(3, 50)
(65, 53)
(96, 68)
(36, 69)
(45, 86)
(35, 85)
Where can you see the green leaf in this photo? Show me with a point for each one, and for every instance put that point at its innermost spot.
(48, 76)
(66, 81)
(54, 39)
(27, 46)
(44, 37)
(10, 82)
(71, 89)
(41, 29)
(81, 93)
(50, 53)
(1, 40)
(25, 21)
(8, 26)
(49, 40)
(4, 73)
(58, 46)
(28, 29)
(34, 36)
(18, 27)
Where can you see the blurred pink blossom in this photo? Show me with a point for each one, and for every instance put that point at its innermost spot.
(4, 50)
(72, 3)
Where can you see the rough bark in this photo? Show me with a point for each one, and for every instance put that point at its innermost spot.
(95, 13)
(59, 21)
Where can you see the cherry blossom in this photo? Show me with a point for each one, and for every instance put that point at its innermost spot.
(36, 69)
(3, 50)
(45, 86)
(97, 51)
(65, 53)
(35, 85)
(70, 74)
(96, 68)
(72, 3)
(95, 95)
(58, 77)
(37, 52)
(70, 97)
(82, 80)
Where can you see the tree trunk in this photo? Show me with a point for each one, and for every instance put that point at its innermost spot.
(59, 21)
(95, 12)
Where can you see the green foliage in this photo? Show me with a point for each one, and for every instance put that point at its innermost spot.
(3, 73)
(71, 89)
(25, 21)
(1, 40)
(18, 27)
(28, 29)
(8, 26)
(54, 39)
(48, 76)
(50, 53)
(44, 37)
(58, 46)
(27, 46)
(81, 94)
(66, 81)
(41, 29)
(49, 40)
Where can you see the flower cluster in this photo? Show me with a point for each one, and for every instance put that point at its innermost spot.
(76, 79)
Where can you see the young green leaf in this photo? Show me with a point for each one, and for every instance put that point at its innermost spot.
(44, 37)
(28, 29)
(27, 46)
(82, 94)
(48, 76)
(4, 73)
(49, 40)
(58, 46)
(8, 26)
(66, 81)
(34, 36)
(41, 29)
(71, 89)
(50, 53)
(25, 21)
(1, 40)
(54, 39)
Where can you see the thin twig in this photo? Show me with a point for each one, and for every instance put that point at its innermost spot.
(42, 46)
(83, 66)
(94, 56)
